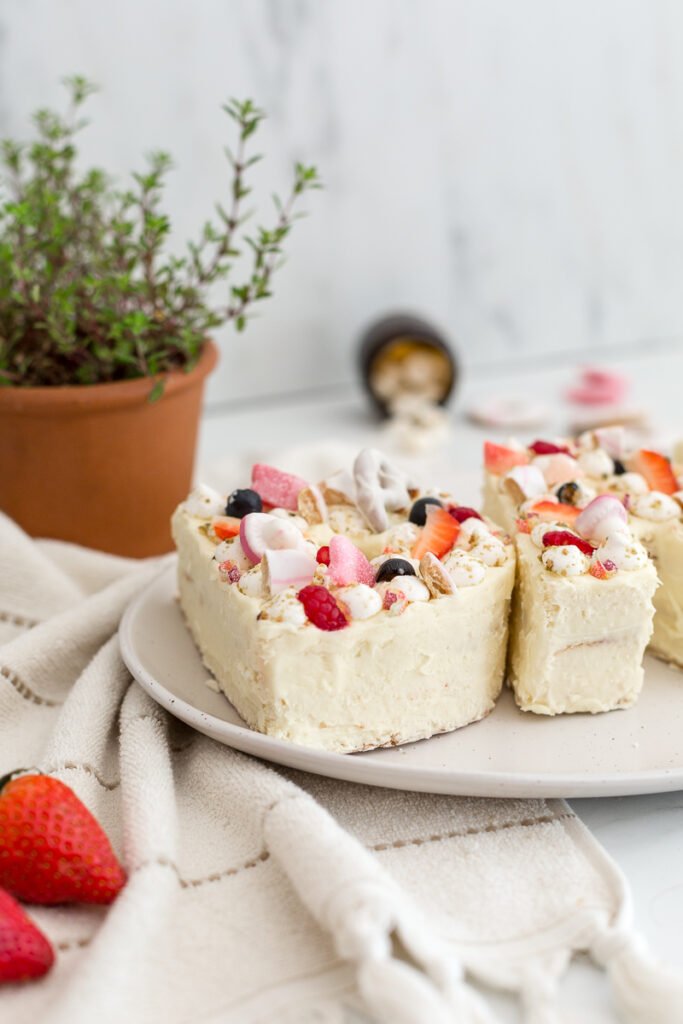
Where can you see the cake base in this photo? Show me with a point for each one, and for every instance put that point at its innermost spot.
(381, 682)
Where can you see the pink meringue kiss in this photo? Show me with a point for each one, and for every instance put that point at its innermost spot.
(259, 531)
(591, 520)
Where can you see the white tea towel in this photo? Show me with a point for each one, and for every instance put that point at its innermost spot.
(264, 895)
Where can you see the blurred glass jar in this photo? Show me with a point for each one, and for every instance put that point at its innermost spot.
(405, 361)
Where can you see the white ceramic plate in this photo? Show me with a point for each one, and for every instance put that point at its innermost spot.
(509, 753)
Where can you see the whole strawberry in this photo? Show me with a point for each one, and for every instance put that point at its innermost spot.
(52, 850)
(24, 951)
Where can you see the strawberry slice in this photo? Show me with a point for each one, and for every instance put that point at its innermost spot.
(25, 953)
(523, 525)
(550, 511)
(275, 487)
(438, 534)
(224, 527)
(498, 459)
(548, 448)
(656, 469)
(560, 538)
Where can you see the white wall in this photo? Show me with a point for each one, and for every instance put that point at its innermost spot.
(511, 168)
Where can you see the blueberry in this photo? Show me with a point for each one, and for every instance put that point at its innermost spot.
(569, 493)
(241, 503)
(619, 467)
(394, 567)
(418, 513)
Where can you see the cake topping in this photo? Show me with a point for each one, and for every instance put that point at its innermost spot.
(463, 569)
(597, 463)
(438, 534)
(285, 608)
(567, 560)
(602, 570)
(656, 507)
(621, 549)
(229, 572)
(204, 502)
(548, 448)
(323, 555)
(380, 487)
(656, 469)
(471, 531)
(232, 549)
(402, 537)
(321, 608)
(569, 493)
(552, 510)
(223, 527)
(630, 483)
(348, 564)
(359, 601)
(243, 501)
(590, 521)
(498, 459)
(490, 550)
(414, 589)
(259, 531)
(557, 469)
(613, 440)
(251, 583)
(276, 487)
(558, 538)
(437, 578)
(311, 505)
(286, 568)
(339, 489)
(462, 512)
(393, 567)
(522, 482)
(418, 513)
(539, 530)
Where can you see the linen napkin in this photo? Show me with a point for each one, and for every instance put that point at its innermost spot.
(259, 894)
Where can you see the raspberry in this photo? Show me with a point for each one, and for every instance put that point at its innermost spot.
(323, 555)
(321, 608)
(461, 512)
(557, 538)
(548, 448)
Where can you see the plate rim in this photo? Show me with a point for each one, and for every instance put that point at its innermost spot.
(357, 768)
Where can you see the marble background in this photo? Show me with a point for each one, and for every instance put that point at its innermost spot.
(512, 169)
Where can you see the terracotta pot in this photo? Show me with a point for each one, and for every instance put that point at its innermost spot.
(99, 464)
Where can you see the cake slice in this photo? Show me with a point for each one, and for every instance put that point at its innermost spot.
(365, 613)
(582, 608)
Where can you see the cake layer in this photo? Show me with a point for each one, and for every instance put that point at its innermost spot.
(582, 609)
(577, 643)
(384, 680)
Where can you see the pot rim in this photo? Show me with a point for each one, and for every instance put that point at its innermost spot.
(69, 398)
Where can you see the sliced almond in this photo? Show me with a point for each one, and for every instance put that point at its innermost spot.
(436, 576)
(312, 505)
(512, 488)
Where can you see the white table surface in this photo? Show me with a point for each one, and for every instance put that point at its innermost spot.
(644, 834)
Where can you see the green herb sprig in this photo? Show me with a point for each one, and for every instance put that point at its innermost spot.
(88, 292)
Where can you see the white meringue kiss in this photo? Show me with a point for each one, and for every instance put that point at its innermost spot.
(529, 479)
